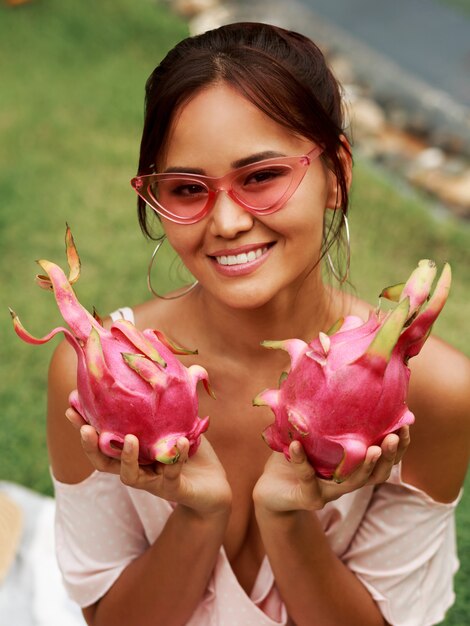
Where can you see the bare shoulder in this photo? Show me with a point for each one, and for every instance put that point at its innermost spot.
(178, 319)
(151, 313)
(440, 399)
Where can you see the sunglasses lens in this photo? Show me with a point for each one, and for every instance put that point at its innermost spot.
(180, 197)
(262, 187)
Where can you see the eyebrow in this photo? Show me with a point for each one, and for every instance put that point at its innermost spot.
(253, 158)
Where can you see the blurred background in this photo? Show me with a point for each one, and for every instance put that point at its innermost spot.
(71, 112)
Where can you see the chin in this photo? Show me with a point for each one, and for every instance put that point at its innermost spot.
(246, 299)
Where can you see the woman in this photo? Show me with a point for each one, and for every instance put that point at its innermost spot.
(237, 534)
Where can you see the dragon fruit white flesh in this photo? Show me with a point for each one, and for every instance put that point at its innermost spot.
(128, 381)
(347, 389)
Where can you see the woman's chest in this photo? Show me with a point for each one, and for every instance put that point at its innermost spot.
(235, 433)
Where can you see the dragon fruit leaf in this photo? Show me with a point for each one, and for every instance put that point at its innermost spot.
(295, 348)
(97, 317)
(414, 337)
(268, 397)
(325, 342)
(273, 345)
(282, 378)
(75, 402)
(76, 316)
(146, 369)
(298, 421)
(380, 350)
(336, 326)
(406, 419)
(100, 386)
(96, 365)
(317, 356)
(355, 449)
(392, 292)
(139, 340)
(201, 425)
(99, 377)
(166, 451)
(73, 259)
(197, 373)
(28, 338)
(354, 454)
(43, 282)
(271, 437)
(111, 444)
(354, 326)
(176, 349)
(418, 285)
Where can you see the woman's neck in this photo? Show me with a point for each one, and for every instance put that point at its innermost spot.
(303, 313)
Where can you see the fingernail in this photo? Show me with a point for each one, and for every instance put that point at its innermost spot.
(392, 447)
(69, 414)
(83, 435)
(376, 456)
(127, 446)
(295, 447)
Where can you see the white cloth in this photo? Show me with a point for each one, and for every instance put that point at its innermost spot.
(397, 540)
(33, 592)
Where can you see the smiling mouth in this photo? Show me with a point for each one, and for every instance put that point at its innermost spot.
(243, 258)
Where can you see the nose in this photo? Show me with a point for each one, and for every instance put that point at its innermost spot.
(228, 219)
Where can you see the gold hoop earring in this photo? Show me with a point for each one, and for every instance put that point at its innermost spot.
(342, 279)
(149, 279)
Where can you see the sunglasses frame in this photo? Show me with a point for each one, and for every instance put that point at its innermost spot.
(215, 185)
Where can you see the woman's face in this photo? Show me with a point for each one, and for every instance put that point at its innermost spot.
(212, 132)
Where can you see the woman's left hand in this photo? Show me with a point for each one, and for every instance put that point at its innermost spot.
(293, 485)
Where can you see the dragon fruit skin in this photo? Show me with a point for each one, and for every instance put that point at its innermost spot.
(128, 381)
(348, 389)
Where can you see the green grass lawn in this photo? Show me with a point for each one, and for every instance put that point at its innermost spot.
(70, 120)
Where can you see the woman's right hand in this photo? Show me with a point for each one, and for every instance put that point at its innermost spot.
(199, 482)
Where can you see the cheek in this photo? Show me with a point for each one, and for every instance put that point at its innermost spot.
(309, 207)
(302, 216)
(184, 239)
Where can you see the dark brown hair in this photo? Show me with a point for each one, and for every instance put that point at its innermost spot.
(282, 72)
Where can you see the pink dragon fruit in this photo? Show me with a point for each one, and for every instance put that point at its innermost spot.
(128, 381)
(347, 389)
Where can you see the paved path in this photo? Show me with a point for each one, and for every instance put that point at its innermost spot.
(426, 38)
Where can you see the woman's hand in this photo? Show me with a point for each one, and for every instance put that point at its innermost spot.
(293, 485)
(199, 483)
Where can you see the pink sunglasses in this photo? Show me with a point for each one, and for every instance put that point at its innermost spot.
(260, 188)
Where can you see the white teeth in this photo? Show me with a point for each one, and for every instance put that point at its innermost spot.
(241, 259)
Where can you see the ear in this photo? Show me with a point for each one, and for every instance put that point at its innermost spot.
(334, 200)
